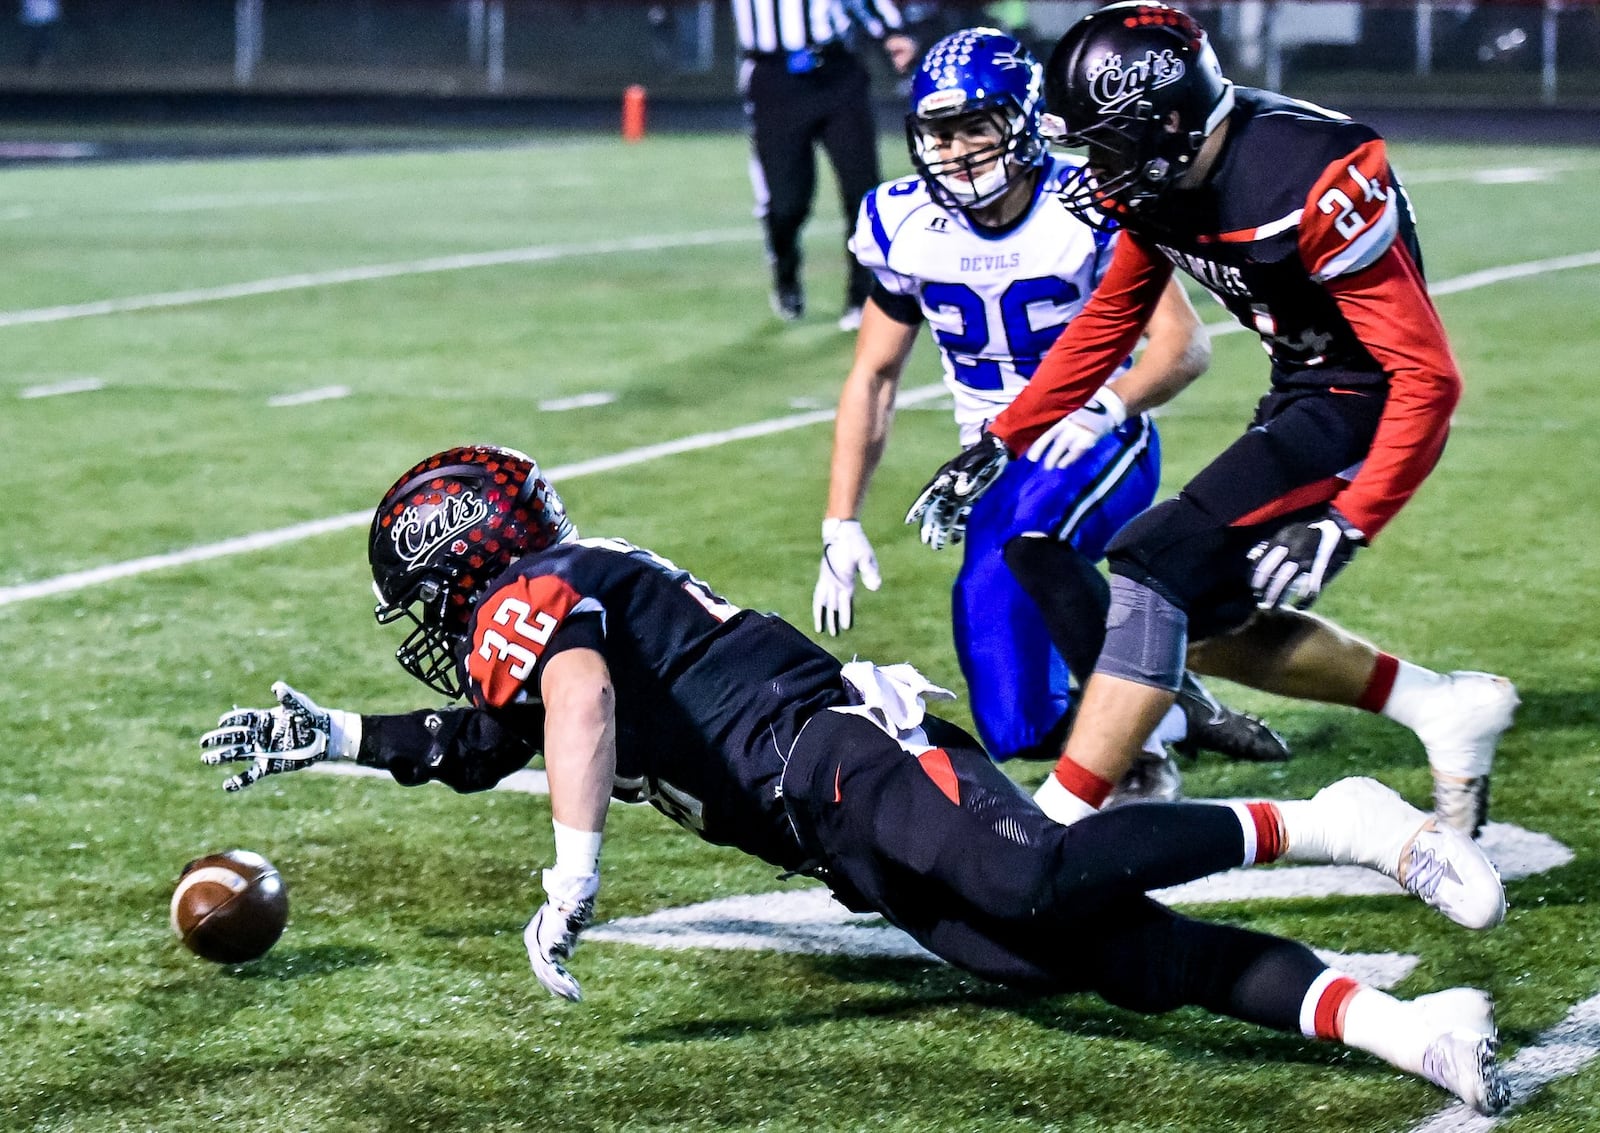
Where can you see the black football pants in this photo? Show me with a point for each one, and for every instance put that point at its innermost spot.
(789, 115)
(949, 849)
(1191, 549)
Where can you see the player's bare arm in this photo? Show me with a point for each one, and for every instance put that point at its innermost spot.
(580, 737)
(866, 408)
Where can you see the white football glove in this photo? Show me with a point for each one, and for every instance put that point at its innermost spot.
(1293, 566)
(552, 934)
(845, 552)
(1079, 431)
(290, 737)
(946, 501)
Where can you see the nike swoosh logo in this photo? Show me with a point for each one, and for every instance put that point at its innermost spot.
(837, 770)
(1091, 407)
(1349, 392)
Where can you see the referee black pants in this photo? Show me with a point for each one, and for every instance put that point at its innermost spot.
(789, 114)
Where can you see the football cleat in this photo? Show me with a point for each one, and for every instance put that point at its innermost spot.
(1466, 1063)
(1458, 1009)
(1213, 726)
(1365, 823)
(1459, 728)
(1151, 779)
(850, 320)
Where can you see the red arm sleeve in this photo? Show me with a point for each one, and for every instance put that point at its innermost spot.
(1389, 308)
(1348, 239)
(1091, 348)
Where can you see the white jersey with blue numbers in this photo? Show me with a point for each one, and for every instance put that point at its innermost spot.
(995, 303)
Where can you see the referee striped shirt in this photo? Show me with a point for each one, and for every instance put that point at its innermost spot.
(768, 26)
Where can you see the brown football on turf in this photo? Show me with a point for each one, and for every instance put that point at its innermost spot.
(230, 907)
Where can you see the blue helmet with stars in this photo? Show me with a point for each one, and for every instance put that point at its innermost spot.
(977, 83)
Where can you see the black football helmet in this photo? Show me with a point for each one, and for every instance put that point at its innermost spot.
(1138, 85)
(441, 533)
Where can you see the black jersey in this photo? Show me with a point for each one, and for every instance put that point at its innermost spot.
(1299, 195)
(709, 697)
(1302, 231)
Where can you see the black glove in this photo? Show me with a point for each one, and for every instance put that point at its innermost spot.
(1301, 558)
(945, 503)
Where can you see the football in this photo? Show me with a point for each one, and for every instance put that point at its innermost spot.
(230, 907)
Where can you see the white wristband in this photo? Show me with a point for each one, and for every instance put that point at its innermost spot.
(577, 851)
(344, 734)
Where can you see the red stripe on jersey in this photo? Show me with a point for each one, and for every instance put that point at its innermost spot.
(1331, 1006)
(510, 629)
(1387, 305)
(1082, 782)
(1092, 346)
(1316, 492)
(1345, 202)
(936, 762)
(1380, 684)
(1271, 838)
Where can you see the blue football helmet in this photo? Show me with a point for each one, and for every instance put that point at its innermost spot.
(975, 74)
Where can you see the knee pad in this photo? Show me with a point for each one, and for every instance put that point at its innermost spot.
(1146, 637)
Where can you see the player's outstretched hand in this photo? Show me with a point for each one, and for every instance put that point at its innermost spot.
(941, 510)
(1293, 566)
(552, 935)
(846, 552)
(292, 736)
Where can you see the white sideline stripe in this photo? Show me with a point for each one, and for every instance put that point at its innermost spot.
(1561, 1051)
(66, 386)
(306, 397)
(528, 781)
(264, 540)
(540, 253)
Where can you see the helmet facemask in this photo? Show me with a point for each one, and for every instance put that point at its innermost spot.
(441, 534)
(996, 149)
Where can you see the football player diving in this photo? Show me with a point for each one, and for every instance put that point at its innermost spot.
(638, 682)
(978, 246)
(1292, 217)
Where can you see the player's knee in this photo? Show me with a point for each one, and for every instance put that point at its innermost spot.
(1146, 636)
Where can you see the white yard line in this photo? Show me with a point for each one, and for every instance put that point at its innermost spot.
(264, 540)
(307, 396)
(79, 580)
(61, 388)
(539, 253)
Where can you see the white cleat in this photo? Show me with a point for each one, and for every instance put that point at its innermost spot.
(1463, 721)
(1368, 824)
(1464, 1062)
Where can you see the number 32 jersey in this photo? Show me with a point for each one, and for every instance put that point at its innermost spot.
(995, 301)
(708, 697)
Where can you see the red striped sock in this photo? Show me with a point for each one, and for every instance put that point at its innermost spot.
(1380, 684)
(1082, 782)
(1271, 839)
(1327, 1014)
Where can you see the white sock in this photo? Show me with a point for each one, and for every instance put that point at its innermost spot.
(1390, 1028)
(1173, 728)
(1409, 698)
(1306, 834)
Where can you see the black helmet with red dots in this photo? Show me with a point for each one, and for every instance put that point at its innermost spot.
(442, 533)
(1138, 86)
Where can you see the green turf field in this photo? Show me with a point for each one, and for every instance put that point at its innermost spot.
(400, 997)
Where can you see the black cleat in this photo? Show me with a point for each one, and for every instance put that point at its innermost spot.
(789, 302)
(1213, 726)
